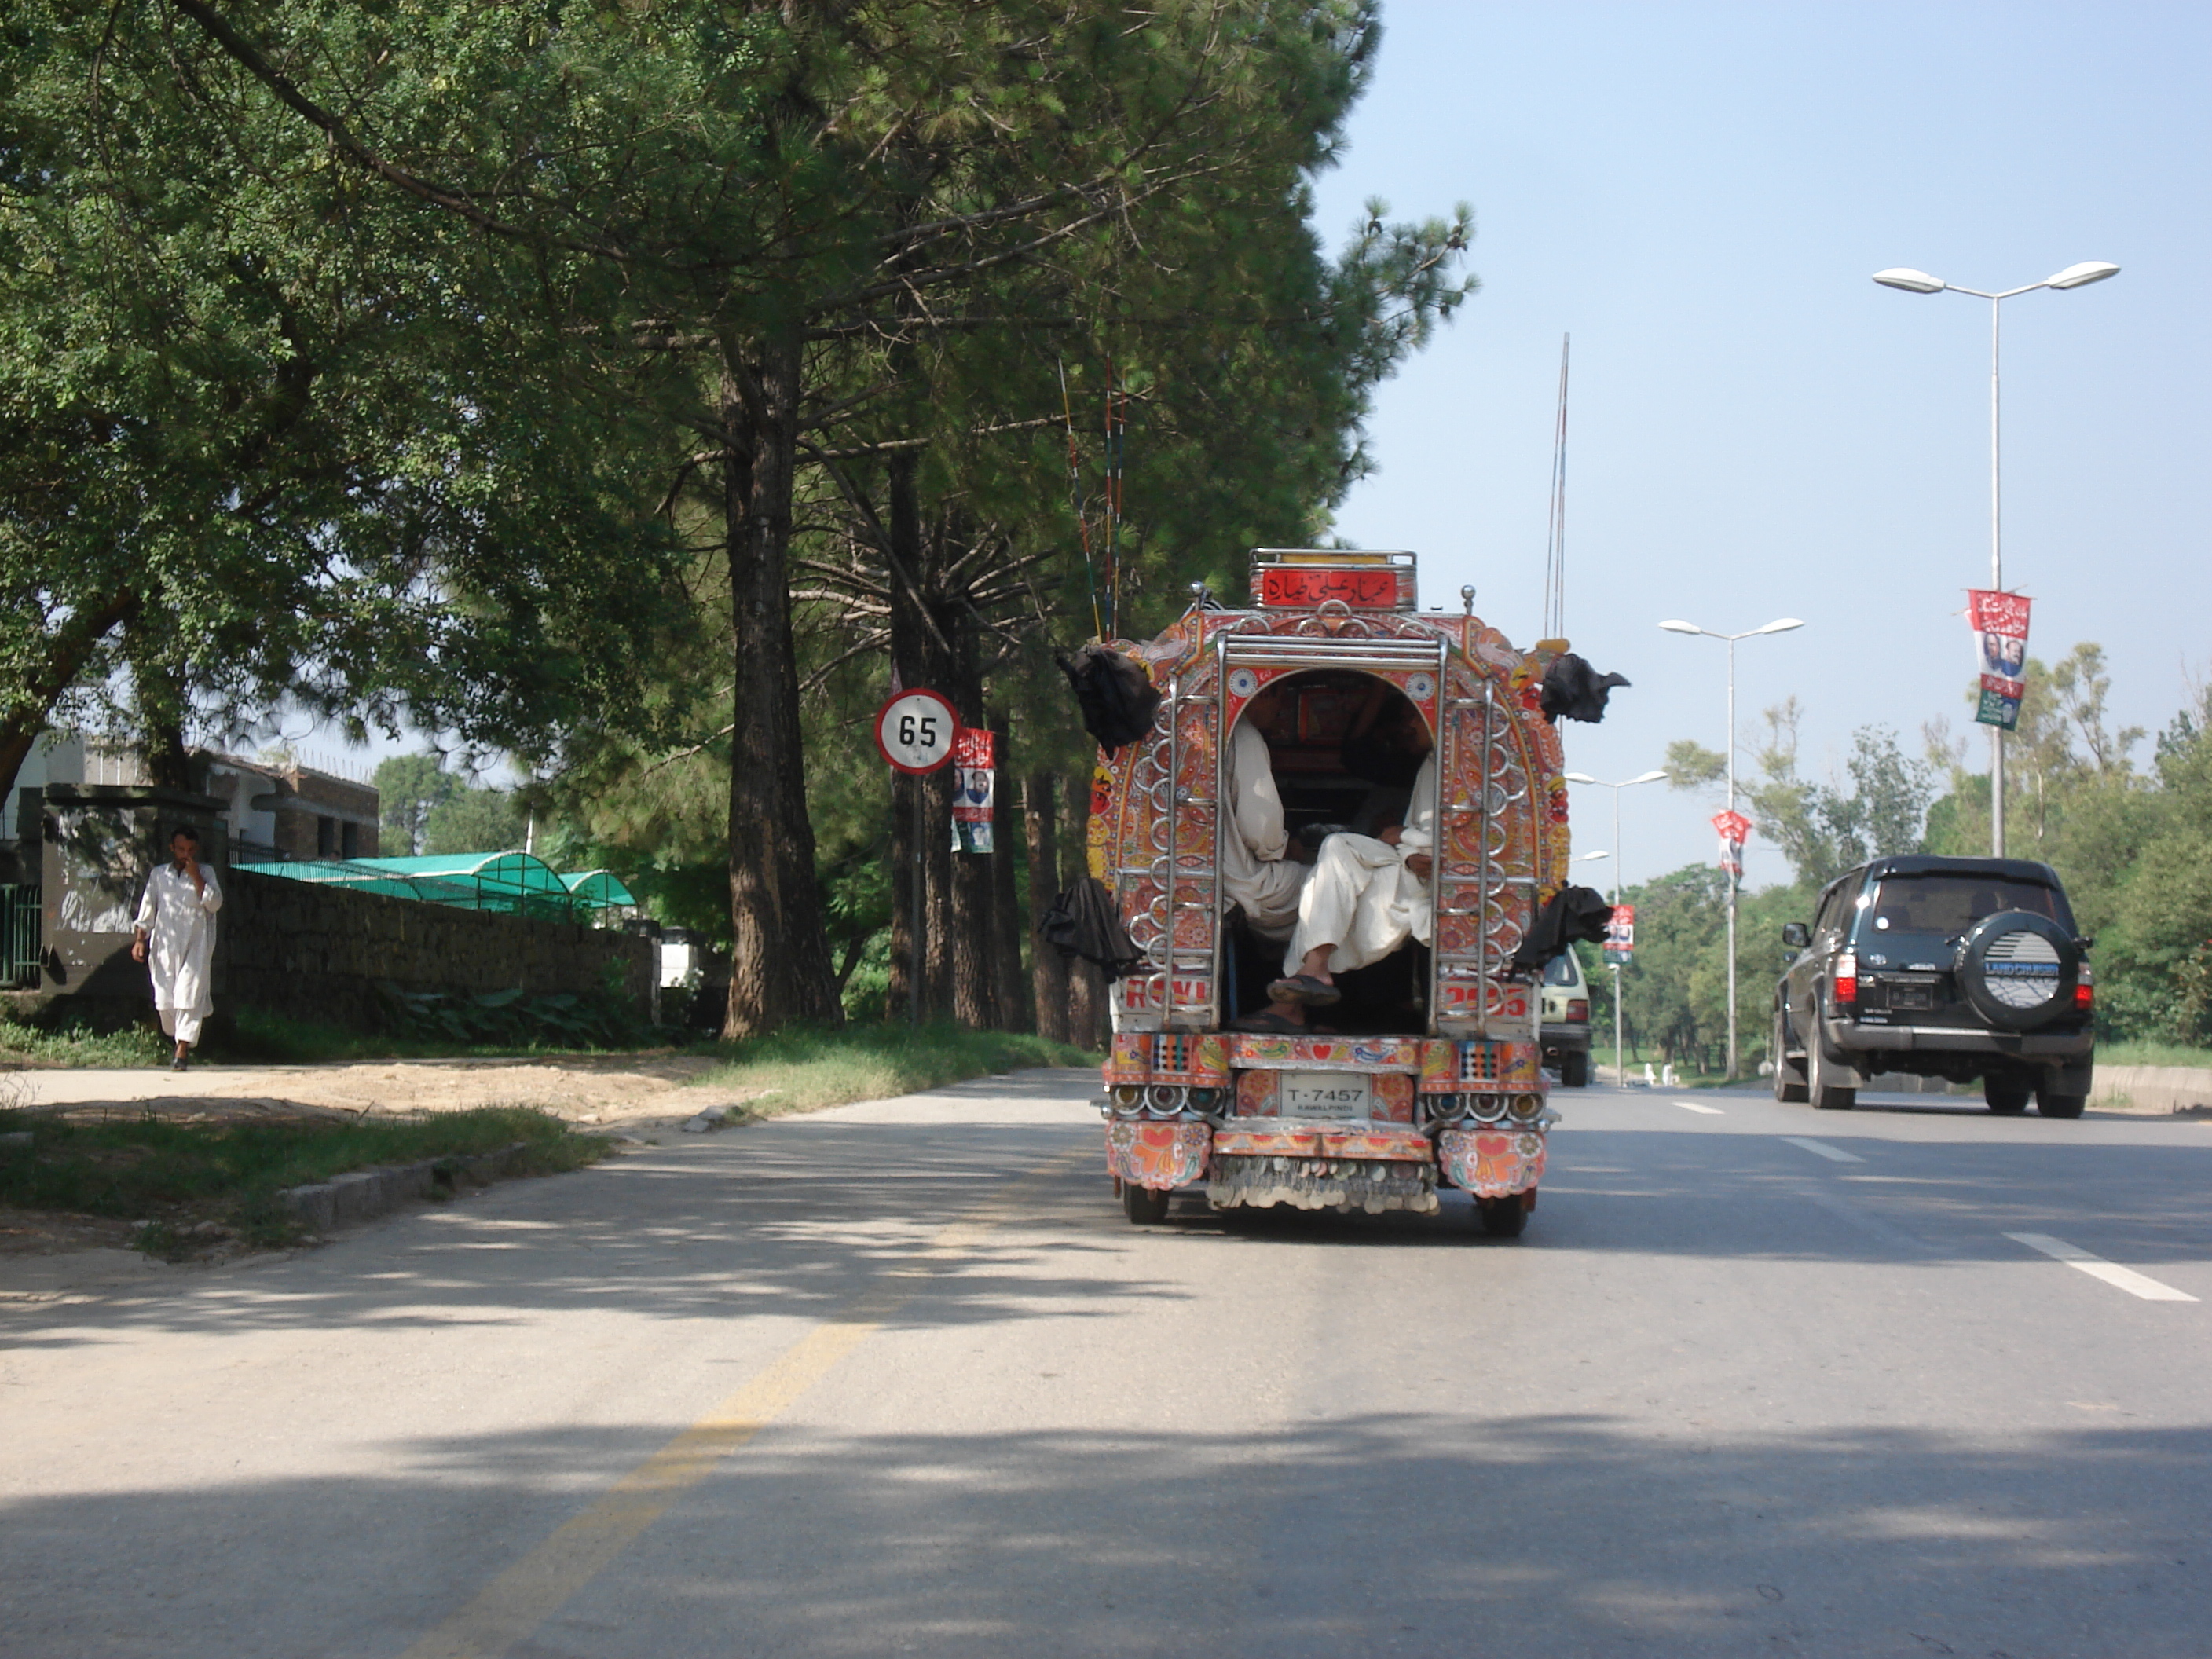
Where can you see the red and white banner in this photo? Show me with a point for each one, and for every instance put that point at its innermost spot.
(1999, 625)
(1734, 829)
(975, 784)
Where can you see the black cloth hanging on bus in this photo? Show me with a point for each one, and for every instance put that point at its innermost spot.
(1084, 922)
(1117, 697)
(1574, 689)
(1575, 912)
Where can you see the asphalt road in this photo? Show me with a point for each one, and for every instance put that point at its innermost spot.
(899, 1378)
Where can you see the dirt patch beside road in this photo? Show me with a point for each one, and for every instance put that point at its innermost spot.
(618, 1091)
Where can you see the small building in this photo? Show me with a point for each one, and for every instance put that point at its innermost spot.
(275, 808)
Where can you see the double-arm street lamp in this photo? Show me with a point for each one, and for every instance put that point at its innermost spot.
(1620, 1077)
(1779, 625)
(1920, 282)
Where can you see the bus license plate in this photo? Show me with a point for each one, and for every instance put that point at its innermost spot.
(1325, 1094)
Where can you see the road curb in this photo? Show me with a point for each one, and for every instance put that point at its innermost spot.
(362, 1195)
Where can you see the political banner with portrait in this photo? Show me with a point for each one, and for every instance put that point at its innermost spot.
(1999, 625)
(1621, 935)
(974, 781)
(1734, 829)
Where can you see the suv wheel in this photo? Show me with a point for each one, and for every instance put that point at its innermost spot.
(1789, 1076)
(2004, 1094)
(2049, 1103)
(1826, 1096)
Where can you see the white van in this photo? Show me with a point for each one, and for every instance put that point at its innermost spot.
(1565, 1035)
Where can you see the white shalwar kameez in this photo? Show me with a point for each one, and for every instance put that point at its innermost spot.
(179, 928)
(1361, 897)
(1253, 871)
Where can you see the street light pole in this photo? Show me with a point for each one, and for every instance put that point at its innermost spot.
(1920, 282)
(1779, 625)
(1620, 1070)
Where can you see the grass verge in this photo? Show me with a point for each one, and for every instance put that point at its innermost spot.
(798, 1070)
(80, 1045)
(197, 1185)
(2153, 1053)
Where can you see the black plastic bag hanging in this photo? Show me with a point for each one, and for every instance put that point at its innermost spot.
(1083, 923)
(1573, 688)
(1575, 912)
(1117, 697)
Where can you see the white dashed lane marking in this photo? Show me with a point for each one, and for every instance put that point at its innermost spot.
(1834, 1154)
(2096, 1266)
(1692, 1106)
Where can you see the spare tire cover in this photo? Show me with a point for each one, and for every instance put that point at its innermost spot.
(2019, 970)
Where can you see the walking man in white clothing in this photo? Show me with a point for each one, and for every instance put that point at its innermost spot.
(175, 936)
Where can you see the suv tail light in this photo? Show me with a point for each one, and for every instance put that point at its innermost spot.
(1846, 988)
(1578, 1009)
(2085, 991)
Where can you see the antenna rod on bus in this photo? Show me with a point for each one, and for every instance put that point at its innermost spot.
(1555, 549)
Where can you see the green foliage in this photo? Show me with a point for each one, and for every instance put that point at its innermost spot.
(409, 788)
(511, 1018)
(476, 820)
(272, 435)
(164, 1172)
(67, 1040)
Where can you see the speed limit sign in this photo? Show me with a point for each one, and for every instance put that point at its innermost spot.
(914, 731)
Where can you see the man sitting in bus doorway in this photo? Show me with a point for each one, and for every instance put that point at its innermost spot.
(1261, 862)
(1367, 895)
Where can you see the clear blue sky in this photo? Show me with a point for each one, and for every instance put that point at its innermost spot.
(1699, 194)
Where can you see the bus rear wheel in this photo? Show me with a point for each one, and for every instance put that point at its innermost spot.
(1503, 1218)
(1146, 1206)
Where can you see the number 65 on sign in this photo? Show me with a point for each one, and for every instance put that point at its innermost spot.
(914, 731)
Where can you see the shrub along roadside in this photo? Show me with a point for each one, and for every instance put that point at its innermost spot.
(180, 1176)
(801, 1069)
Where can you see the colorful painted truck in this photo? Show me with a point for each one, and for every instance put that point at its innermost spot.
(1429, 1077)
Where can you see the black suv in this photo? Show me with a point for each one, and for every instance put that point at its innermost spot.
(1950, 968)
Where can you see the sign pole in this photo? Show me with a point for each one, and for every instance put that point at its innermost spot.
(915, 952)
(915, 733)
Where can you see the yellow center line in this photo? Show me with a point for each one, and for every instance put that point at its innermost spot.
(535, 1588)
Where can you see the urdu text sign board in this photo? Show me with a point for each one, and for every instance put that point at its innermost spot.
(1361, 587)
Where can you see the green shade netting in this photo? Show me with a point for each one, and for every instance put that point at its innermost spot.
(511, 881)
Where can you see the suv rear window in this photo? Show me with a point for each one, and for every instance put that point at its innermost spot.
(1948, 905)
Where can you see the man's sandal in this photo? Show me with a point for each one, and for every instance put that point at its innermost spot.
(1304, 988)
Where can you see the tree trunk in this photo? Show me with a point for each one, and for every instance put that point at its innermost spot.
(1048, 968)
(921, 655)
(780, 968)
(898, 996)
(1010, 987)
(1088, 1022)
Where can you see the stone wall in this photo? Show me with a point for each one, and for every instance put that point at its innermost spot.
(317, 953)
